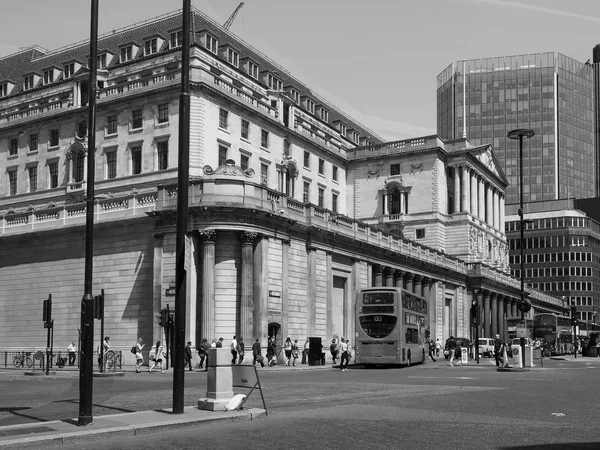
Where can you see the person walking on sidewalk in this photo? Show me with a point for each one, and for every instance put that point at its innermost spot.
(158, 358)
(295, 352)
(498, 351)
(438, 348)
(139, 359)
(576, 346)
(345, 355)
(432, 350)
(233, 348)
(240, 349)
(257, 354)
(451, 346)
(288, 350)
(334, 350)
(188, 356)
(201, 353)
(71, 350)
(305, 351)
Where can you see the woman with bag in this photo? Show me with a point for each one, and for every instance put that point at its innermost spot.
(139, 359)
(288, 350)
(240, 349)
(158, 358)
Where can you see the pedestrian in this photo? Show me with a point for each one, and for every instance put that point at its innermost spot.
(240, 349)
(451, 346)
(188, 356)
(432, 347)
(233, 347)
(288, 350)
(158, 358)
(345, 354)
(257, 354)
(576, 346)
(105, 348)
(498, 351)
(305, 351)
(334, 350)
(295, 352)
(220, 343)
(71, 350)
(139, 359)
(201, 353)
(213, 344)
(270, 353)
(207, 347)
(438, 348)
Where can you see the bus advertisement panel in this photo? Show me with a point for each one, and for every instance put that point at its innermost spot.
(390, 326)
(554, 332)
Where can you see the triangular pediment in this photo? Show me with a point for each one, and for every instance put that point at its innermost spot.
(486, 156)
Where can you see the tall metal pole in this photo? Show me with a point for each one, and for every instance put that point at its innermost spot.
(86, 368)
(182, 215)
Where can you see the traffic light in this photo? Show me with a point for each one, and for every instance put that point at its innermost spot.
(162, 318)
(47, 315)
(98, 306)
(573, 315)
(475, 312)
(170, 320)
(524, 305)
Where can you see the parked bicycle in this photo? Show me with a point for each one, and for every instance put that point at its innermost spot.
(23, 360)
(60, 361)
(114, 359)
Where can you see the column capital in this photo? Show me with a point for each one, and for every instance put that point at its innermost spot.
(388, 271)
(408, 276)
(418, 278)
(377, 268)
(248, 237)
(398, 273)
(208, 235)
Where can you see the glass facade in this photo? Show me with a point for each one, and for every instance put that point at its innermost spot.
(552, 95)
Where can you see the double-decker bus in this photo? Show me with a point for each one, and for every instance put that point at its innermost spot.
(390, 327)
(555, 333)
(511, 327)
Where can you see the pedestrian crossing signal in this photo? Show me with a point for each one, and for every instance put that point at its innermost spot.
(47, 313)
(98, 307)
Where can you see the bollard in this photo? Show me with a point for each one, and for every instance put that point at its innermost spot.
(528, 356)
(464, 355)
(219, 383)
(517, 360)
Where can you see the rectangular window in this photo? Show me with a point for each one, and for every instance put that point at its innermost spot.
(324, 114)
(264, 174)
(321, 167)
(273, 82)
(12, 182)
(28, 83)
(136, 160)
(3, 89)
(69, 70)
(295, 95)
(136, 119)
(111, 124)
(33, 142)
(111, 164)
(310, 106)
(176, 39)
(321, 197)
(14, 147)
(420, 233)
(54, 137)
(244, 162)
(264, 138)
(150, 47)
(334, 203)
(126, 53)
(163, 155)
(48, 76)
(342, 129)
(334, 173)
(252, 70)
(306, 159)
(306, 192)
(222, 154)
(163, 113)
(211, 43)
(394, 169)
(233, 57)
(245, 129)
(32, 178)
(223, 115)
(102, 61)
(53, 172)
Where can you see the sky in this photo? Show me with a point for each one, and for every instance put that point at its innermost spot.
(377, 60)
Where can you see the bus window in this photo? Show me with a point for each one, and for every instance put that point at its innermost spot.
(378, 326)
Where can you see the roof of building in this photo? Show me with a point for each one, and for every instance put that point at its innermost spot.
(35, 60)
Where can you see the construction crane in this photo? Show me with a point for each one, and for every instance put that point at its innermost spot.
(232, 17)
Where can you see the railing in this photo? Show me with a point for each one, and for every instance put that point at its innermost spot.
(30, 359)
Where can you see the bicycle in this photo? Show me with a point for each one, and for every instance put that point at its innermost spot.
(60, 361)
(22, 360)
(114, 359)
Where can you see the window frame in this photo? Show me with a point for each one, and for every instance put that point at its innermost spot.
(253, 69)
(150, 46)
(126, 53)
(162, 146)
(264, 138)
(223, 119)
(13, 151)
(136, 149)
(321, 197)
(306, 159)
(51, 142)
(163, 113)
(134, 119)
(32, 178)
(264, 173)
(245, 125)
(28, 82)
(34, 142)
(211, 43)
(12, 180)
(334, 173)
(244, 161)
(110, 160)
(53, 176)
(48, 76)
(178, 38)
(109, 123)
(222, 154)
(321, 166)
(233, 57)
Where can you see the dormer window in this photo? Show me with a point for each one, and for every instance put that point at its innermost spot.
(104, 60)
(309, 105)
(323, 114)
(48, 76)
(365, 141)
(150, 46)
(273, 82)
(28, 82)
(233, 57)
(295, 95)
(6, 88)
(176, 39)
(126, 53)
(341, 127)
(253, 69)
(211, 43)
(353, 136)
(69, 70)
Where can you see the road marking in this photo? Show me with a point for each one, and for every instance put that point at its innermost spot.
(558, 414)
(533, 379)
(445, 378)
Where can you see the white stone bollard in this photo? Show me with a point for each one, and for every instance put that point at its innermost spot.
(219, 384)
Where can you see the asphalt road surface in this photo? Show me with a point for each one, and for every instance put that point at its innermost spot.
(431, 406)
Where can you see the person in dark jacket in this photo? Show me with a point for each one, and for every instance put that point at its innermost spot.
(498, 351)
(188, 356)
(257, 354)
(451, 346)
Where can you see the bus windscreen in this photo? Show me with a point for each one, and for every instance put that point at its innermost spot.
(378, 326)
(378, 298)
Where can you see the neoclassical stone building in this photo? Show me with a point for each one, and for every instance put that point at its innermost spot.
(293, 205)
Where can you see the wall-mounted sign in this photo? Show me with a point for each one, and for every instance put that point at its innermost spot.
(170, 291)
(274, 293)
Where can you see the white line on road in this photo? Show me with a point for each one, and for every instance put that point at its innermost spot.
(533, 379)
(456, 378)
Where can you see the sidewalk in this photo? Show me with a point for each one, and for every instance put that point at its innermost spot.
(117, 425)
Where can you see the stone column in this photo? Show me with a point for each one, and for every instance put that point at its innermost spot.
(311, 298)
(486, 314)
(158, 284)
(389, 276)
(247, 287)
(385, 202)
(490, 208)
(480, 312)
(418, 286)
(378, 271)
(408, 277)
(399, 279)
(474, 203)
(502, 318)
(494, 310)
(466, 189)
(481, 195)
(501, 212)
(209, 237)
(456, 189)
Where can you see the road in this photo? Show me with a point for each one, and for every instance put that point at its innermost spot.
(420, 407)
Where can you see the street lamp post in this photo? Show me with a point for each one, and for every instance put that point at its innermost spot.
(475, 313)
(524, 305)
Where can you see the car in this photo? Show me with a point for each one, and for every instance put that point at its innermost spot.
(486, 347)
(460, 342)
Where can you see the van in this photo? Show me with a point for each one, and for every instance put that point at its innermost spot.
(486, 347)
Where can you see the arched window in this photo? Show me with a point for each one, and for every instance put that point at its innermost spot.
(79, 167)
(395, 201)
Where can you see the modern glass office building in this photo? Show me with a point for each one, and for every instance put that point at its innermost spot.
(483, 99)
